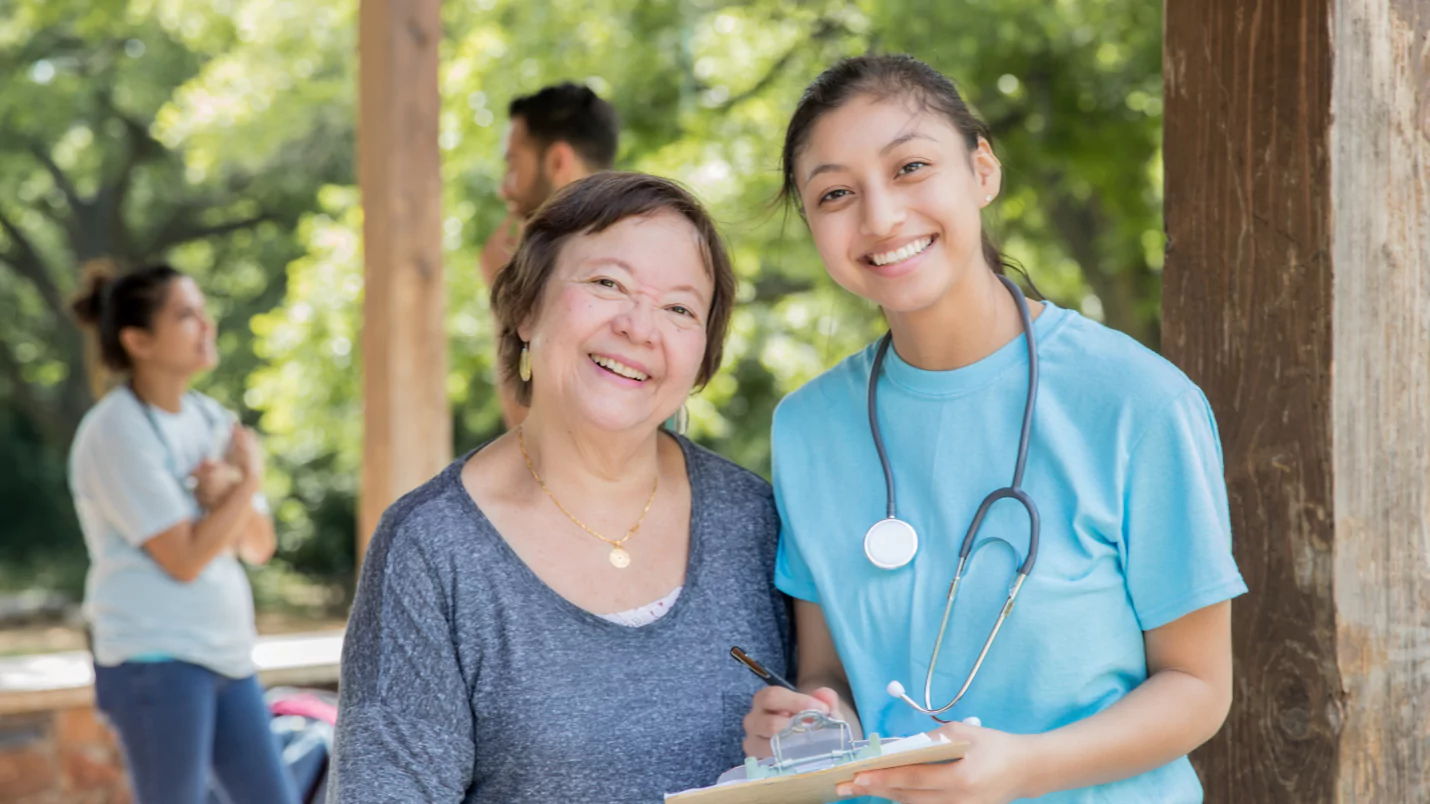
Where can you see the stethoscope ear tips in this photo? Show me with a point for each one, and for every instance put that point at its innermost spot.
(895, 689)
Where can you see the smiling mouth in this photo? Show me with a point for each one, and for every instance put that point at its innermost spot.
(898, 255)
(618, 368)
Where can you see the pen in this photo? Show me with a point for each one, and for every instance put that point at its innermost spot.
(773, 679)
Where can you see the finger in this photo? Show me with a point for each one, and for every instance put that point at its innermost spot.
(827, 696)
(898, 796)
(909, 777)
(958, 731)
(913, 784)
(765, 725)
(755, 747)
(779, 699)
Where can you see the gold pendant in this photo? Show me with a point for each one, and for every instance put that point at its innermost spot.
(620, 559)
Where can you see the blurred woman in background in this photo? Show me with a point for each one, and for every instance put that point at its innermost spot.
(166, 484)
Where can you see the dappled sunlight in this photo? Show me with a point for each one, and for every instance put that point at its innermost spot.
(230, 135)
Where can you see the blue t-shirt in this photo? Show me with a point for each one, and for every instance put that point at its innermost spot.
(1125, 466)
(126, 472)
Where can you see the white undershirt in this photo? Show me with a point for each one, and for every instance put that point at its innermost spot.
(644, 615)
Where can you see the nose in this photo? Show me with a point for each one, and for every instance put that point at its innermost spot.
(883, 214)
(637, 321)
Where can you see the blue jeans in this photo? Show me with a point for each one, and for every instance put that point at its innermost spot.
(177, 721)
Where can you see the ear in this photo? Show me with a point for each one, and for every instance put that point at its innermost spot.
(987, 170)
(137, 342)
(562, 164)
(523, 330)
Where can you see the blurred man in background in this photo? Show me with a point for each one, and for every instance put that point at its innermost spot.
(560, 134)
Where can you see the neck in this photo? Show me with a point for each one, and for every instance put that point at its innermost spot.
(975, 319)
(581, 461)
(162, 390)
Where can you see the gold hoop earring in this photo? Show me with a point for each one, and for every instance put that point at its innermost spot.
(523, 366)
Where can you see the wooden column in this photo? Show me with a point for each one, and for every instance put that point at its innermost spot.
(407, 427)
(1297, 294)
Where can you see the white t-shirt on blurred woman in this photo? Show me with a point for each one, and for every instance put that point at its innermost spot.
(127, 472)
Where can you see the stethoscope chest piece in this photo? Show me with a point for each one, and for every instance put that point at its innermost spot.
(891, 543)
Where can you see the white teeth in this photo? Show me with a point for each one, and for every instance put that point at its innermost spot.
(902, 254)
(618, 367)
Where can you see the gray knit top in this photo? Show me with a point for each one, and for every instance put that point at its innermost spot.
(466, 679)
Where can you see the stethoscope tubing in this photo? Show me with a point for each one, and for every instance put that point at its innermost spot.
(1014, 491)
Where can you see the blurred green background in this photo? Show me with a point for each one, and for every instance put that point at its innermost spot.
(220, 135)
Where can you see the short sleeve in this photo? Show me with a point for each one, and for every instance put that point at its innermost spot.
(125, 473)
(792, 575)
(405, 723)
(1176, 536)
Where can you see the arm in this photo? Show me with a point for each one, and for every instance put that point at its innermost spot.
(259, 540)
(184, 550)
(822, 683)
(405, 727)
(1181, 705)
(1183, 702)
(216, 482)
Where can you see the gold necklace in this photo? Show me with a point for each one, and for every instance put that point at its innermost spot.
(619, 558)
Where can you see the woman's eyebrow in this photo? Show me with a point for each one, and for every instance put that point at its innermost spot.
(903, 138)
(609, 261)
(894, 143)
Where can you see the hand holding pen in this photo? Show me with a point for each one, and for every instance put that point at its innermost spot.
(774, 706)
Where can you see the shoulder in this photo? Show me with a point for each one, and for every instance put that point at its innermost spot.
(723, 477)
(840, 390)
(1101, 360)
(115, 422)
(425, 527)
(728, 491)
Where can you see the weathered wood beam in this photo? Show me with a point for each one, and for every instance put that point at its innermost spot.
(1297, 294)
(407, 426)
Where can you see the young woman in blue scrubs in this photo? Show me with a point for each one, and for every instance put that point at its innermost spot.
(1115, 661)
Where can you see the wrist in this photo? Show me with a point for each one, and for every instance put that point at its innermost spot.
(249, 484)
(1039, 769)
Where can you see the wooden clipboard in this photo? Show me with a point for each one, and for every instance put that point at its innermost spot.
(814, 787)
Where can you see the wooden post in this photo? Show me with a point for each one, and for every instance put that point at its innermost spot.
(1297, 294)
(407, 427)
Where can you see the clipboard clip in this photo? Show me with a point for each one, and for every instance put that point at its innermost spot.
(811, 741)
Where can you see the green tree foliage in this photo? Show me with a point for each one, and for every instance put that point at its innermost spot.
(132, 132)
(262, 90)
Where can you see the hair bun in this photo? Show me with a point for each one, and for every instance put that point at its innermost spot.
(96, 281)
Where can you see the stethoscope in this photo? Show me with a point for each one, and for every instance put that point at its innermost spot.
(892, 543)
(171, 462)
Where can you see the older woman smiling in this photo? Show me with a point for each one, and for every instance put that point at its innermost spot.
(548, 619)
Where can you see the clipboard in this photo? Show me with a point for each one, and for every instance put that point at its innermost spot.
(812, 756)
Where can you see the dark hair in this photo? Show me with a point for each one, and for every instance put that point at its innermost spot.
(895, 75)
(572, 114)
(589, 206)
(108, 305)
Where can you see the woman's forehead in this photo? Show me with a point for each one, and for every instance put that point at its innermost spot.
(657, 247)
(872, 125)
(184, 291)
